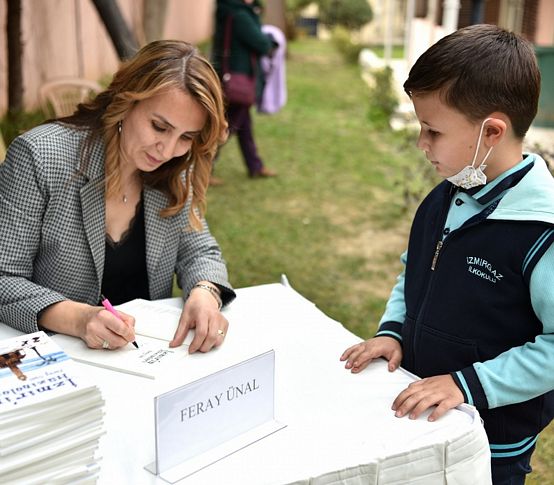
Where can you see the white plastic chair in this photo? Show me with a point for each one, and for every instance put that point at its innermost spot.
(61, 97)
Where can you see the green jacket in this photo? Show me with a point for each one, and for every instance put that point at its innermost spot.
(246, 38)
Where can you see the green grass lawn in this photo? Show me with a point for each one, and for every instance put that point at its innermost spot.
(397, 51)
(336, 219)
(318, 222)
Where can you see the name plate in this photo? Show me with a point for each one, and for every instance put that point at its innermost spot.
(204, 421)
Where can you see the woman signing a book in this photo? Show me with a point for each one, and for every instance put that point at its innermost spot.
(110, 201)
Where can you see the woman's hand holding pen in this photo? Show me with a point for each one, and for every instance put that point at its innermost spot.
(96, 326)
(201, 312)
(107, 331)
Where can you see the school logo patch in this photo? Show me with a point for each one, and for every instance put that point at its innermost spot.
(483, 269)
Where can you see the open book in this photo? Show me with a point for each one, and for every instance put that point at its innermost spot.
(154, 319)
(155, 326)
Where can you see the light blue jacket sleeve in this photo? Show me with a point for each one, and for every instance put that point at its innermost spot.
(395, 312)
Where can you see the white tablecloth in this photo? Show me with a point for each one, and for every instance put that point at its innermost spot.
(340, 428)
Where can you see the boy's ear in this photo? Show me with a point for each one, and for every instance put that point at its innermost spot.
(496, 128)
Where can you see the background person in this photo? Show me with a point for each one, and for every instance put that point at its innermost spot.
(248, 44)
(473, 313)
(111, 199)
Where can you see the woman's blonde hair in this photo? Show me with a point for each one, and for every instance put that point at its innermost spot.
(158, 67)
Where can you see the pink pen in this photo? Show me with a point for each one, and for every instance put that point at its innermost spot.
(108, 306)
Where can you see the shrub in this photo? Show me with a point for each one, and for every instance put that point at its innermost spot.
(16, 123)
(546, 153)
(413, 176)
(343, 43)
(382, 98)
(352, 14)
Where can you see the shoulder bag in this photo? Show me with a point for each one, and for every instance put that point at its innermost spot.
(239, 88)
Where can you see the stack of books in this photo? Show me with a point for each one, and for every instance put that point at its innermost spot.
(51, 419)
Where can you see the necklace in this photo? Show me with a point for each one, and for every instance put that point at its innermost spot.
(133, 184)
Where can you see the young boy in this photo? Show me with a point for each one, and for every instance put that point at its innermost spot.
(473, 312)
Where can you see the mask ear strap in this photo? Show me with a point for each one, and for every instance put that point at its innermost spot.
(479, 144)
(486, 156)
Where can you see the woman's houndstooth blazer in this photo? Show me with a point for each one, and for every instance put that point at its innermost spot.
(52, 230)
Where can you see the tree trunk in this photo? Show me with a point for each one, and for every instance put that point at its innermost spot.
(122, 38)
(154, 19)
(275, 14)
(15, 54)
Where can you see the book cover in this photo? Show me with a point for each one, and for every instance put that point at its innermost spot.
(34, 369)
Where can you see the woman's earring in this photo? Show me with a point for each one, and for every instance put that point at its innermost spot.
(188, 155)
(119, 125)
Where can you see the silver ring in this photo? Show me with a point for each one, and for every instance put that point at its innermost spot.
(105, 345)
(221, 332)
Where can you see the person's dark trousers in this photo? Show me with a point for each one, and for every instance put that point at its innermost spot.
(240, 123)
(510, 471)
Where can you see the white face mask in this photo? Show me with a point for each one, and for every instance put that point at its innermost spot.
(470, 176)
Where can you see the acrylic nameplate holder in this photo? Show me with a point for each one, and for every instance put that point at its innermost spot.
(206, 420)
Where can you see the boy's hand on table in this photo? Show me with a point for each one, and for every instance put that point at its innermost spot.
(360, 355)
(440, 391)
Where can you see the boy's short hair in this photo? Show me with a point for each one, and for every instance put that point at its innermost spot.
(481, 69)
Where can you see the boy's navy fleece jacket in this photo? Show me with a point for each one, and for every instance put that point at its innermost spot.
(476, 300)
